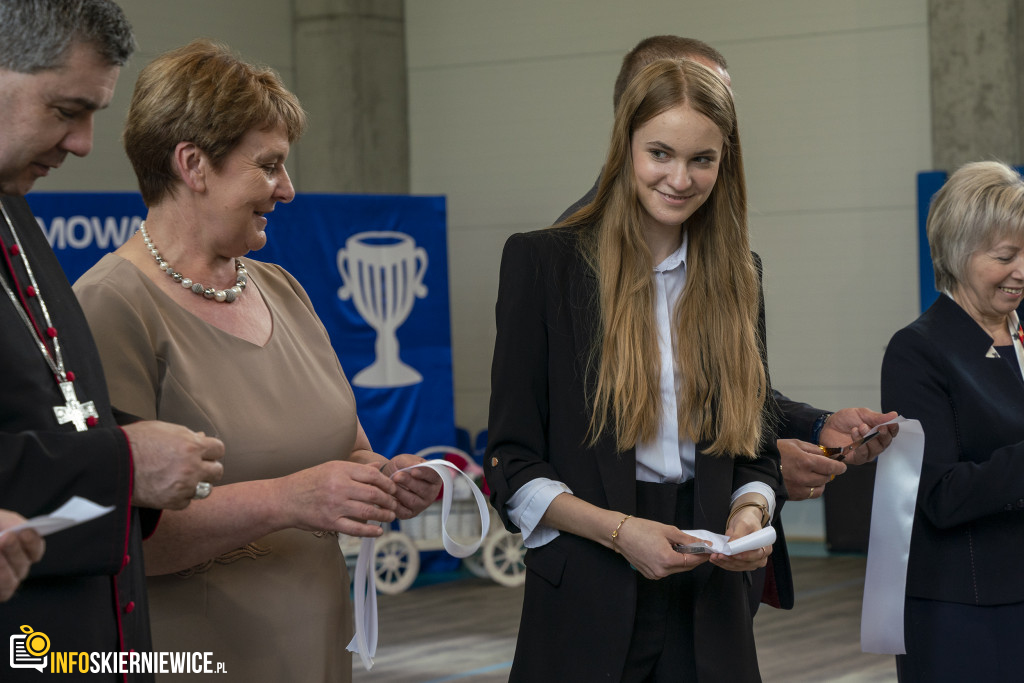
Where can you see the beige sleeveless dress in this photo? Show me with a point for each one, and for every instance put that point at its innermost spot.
(277, 609)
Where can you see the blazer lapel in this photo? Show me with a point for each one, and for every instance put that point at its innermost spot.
(618, 470)
(974, 346)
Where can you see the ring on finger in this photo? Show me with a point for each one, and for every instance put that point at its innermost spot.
(203, 489)
(811, 494)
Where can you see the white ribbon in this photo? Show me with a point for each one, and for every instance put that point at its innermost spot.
(1018, 343)
(892, 520)
(364, 643)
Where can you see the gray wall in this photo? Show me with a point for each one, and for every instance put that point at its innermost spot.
(977, 75)
(345, 59)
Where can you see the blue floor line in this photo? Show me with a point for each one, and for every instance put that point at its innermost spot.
(475, 672)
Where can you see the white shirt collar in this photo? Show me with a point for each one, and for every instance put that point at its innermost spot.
(676, 258)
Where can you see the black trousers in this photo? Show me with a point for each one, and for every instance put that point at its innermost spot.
(661, 648)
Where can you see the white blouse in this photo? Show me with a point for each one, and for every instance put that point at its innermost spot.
(666, 458)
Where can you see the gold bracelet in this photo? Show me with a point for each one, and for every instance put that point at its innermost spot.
(615, 534)
(750, 504)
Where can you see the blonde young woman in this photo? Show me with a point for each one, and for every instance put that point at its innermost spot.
(628, 402)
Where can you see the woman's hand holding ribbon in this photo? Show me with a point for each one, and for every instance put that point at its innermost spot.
(417, 487)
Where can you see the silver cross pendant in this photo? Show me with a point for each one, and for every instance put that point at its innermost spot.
(74, 412)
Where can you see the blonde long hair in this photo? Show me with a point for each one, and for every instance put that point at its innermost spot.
(724, 382)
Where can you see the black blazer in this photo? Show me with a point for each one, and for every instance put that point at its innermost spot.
(580, 596)
(967, 544)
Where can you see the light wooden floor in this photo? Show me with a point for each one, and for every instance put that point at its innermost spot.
(465, 631)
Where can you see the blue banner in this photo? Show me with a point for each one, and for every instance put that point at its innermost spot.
(82, 227)
(376, 269)
(928, 183)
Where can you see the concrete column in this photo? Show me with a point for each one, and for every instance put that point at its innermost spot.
(977, 81)
(351, 79)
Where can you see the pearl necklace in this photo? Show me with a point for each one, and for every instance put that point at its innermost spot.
(221, 295)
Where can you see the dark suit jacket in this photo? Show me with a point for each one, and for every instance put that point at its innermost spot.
(580, 596)
(967, 544)
(88, 593)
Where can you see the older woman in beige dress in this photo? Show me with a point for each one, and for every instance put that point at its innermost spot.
(191, 332)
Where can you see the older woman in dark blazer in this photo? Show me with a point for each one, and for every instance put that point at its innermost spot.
(959, 369)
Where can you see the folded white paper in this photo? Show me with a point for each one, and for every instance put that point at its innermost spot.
(72, 513)
(720, 543)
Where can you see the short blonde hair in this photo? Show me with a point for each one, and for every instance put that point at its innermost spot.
(204, 94)
(981, 203)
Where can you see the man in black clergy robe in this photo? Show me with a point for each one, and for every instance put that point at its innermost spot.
(59, 437)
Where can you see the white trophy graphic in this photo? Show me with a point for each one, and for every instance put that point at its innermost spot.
(382, 272)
